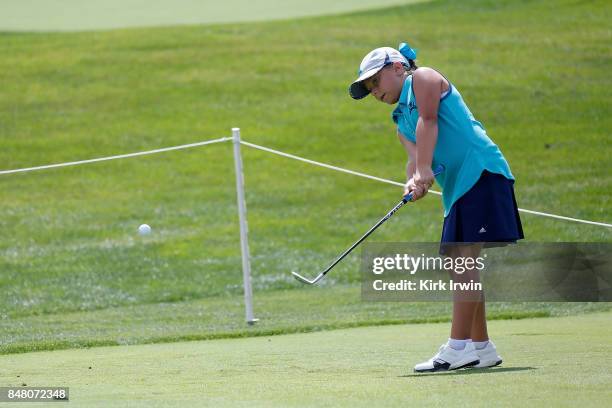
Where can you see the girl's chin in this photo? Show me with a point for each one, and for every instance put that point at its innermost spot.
(388, 100)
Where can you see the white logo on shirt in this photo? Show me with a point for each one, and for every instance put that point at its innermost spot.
(482, 230)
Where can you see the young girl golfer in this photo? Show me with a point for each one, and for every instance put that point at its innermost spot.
(435, 126)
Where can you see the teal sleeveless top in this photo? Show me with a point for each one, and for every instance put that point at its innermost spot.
(463, 146)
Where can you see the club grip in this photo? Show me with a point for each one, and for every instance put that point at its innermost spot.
(439, 169)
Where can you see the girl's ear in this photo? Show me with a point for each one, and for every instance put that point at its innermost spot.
(398, 68)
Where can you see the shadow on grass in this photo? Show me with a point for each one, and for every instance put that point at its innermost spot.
(472, 371)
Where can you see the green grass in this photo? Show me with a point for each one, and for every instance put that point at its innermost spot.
(535, 76)
(547, 362)
(76, 15)
(279, 311)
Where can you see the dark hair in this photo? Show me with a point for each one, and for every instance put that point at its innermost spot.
(413, 65)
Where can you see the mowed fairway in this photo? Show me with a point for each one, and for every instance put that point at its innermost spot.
(77, 15)
(557, 362)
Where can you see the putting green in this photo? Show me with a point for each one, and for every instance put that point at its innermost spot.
(553, 362)
(79, 15)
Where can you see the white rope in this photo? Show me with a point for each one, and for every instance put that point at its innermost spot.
(395, 183)
(560, 217)
(328, 166)
(290, 156)
(121, 156)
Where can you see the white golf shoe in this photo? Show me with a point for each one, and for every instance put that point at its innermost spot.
(448, 358)
(488, 356)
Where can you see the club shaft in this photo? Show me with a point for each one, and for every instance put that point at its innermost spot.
(367, 234)
(439, 169)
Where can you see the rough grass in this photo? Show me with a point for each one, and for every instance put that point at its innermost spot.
(536, 76)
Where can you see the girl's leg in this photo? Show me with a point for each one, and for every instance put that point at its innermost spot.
(479, 323)
(468, 322)
(468, 306)
(458, 352)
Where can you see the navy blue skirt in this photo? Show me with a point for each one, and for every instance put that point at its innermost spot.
(487, 214)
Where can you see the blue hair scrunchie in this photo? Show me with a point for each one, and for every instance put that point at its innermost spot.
(406, 51)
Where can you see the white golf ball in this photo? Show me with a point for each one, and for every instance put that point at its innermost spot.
(144, 229)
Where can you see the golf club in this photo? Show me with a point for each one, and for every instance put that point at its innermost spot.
(399, 205)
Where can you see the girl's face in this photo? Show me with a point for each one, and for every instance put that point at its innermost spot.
(387, 84)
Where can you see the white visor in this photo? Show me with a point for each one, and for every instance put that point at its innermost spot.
(372, 63)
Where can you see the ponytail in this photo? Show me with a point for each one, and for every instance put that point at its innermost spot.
(409, 54)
